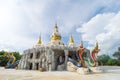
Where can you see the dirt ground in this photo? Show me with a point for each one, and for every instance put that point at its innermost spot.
(111, 73)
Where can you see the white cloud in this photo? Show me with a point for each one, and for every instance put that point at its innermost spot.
(104, 28)
(21, 21)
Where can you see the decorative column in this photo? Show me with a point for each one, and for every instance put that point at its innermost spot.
(53, 60)
(48, 59)
(20, 64)
(27, 64)
(41, 52)
(24, 66)
(25, 59)
(33, 60)
(22, 61)
(66, 58)
(46, 55)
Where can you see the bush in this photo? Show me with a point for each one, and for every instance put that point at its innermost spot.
(112, 62)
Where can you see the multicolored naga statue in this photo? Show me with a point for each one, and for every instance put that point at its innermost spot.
(91, 60)
(85, 61)
(80, 54)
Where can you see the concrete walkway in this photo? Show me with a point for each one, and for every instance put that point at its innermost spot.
(112, 73)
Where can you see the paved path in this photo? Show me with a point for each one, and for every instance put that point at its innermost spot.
(112, 73)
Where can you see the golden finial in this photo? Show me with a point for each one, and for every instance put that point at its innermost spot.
(56, 27)
(39, 40)
(71, 40)
(55, 24)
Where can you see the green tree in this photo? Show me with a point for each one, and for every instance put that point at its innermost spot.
(118, 62)
(17, 55)
(107, 60)
(103, 59)
(112, 62)
(3, 60)
(117, 54)
(2, 52)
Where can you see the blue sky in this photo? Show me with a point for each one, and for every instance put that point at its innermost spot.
(21, 22)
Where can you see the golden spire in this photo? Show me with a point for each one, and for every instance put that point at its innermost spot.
(56, 35)
(71, 40)
(39, 40)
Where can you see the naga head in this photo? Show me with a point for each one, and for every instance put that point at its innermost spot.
(96, 49)
(8, 55)
(12, 54)
(81, 47)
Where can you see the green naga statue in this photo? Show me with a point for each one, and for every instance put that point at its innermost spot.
(12, 63)
(92, 60)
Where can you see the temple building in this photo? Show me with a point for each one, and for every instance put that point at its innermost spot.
(52, 56)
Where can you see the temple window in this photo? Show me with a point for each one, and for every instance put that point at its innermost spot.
(31, 55)
(31, 65)
(37, 66)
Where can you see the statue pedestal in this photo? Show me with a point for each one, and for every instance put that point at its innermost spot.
(83, 70)
(71, 67)
(96, 69)
(1, 68)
